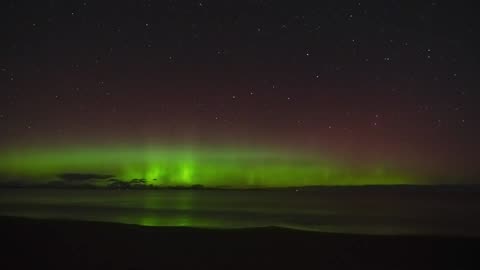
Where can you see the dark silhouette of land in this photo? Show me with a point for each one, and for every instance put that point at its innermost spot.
(90, 181)
(57, 244)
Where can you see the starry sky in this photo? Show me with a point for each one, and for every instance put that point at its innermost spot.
(355, 82)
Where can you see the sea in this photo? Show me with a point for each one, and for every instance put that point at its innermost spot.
(448, 211)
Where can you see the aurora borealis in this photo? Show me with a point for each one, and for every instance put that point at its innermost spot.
(245, 94)
(145, 134)
(214, 167)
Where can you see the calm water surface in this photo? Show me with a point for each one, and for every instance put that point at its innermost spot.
(349, 211)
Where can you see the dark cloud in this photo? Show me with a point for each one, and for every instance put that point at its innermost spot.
(77, 177)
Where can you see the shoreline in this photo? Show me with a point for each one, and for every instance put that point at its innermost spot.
(83, 244)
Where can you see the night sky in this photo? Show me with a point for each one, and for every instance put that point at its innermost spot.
(376, 88)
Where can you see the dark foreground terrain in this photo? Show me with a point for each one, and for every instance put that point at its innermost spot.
(54, 244)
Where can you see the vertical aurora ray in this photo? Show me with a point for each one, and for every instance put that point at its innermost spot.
(169, 166)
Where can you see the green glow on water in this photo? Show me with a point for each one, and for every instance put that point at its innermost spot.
(170, 166)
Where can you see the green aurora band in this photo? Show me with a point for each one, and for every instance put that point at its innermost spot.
(186, 166)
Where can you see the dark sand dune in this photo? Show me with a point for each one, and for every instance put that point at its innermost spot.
(57, 244)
